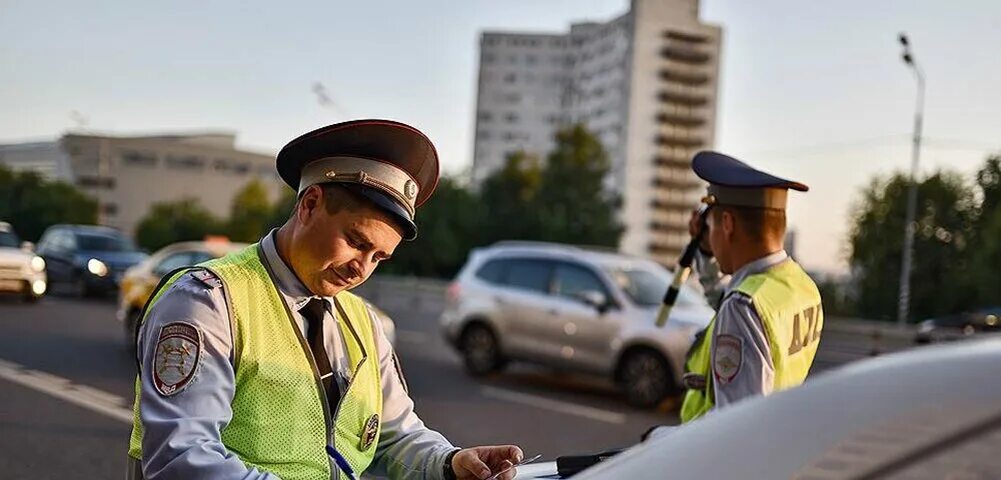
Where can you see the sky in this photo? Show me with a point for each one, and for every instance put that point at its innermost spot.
(815, 91)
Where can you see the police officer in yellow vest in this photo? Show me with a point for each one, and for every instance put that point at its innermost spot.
(262, 365)
(769, 315)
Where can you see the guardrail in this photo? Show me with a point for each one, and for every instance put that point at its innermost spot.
(849, 339)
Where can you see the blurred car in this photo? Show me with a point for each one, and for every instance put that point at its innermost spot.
(91, 259)
(139, 281)
(958, 326)
(875, 419)
(21, 271)
(572, 308)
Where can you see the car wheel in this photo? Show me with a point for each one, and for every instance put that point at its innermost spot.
(646, 378)
(480, 350)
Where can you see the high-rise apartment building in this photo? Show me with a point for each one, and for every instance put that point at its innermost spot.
(645, 83)
(127, 175)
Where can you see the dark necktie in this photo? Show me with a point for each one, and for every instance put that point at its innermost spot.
(313, 312)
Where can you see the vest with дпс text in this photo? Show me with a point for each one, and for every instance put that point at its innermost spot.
(788, 303)
(281, 418)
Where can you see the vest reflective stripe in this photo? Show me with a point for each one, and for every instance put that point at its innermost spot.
(281, 421)
(789, 305)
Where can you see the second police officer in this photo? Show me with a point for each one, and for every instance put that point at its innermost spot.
(769, 315)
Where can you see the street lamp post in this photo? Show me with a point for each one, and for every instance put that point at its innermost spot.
(912, 192)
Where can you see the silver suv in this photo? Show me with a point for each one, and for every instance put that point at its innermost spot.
(572, 308)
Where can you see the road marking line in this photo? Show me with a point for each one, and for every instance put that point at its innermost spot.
(555, 405)
(411, 336)
(87, 397)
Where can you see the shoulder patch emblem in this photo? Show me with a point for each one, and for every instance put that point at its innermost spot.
(207, 277)
(178, 353)
(727, 358)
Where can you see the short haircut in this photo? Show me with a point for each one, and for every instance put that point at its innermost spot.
(757, 223)
(336, 198)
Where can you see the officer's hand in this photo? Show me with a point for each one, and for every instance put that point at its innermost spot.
(694, 227)
(481, 462)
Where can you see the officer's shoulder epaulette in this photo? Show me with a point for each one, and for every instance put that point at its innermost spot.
(206, 277)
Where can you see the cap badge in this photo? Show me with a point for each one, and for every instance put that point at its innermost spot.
(410, 189)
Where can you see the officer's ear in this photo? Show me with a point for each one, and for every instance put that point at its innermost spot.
(727, 222)
(310, 203)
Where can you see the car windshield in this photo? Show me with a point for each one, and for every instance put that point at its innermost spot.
(8, 239)
(646, 287)
(104, 243)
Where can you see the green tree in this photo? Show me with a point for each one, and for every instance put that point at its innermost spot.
(179, 221)
(573, 203)
(282, 209)
(250, 213)
(447, 226)
(31, 204)
(507, 198)
(945, 215)
(985, 246)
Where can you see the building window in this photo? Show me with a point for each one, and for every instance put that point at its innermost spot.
(511, 118)
(489, 58)
(223, 165)
(109, 209)
(530, 59)
(510, 78)
(485, 116)
(90, 181)
(139, 159)
(185, 162)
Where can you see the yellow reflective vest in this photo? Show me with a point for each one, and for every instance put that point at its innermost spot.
(281, 419)
(789, 305)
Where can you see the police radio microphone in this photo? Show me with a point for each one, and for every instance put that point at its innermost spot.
(684, 269)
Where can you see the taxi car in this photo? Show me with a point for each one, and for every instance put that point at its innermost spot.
(573, 308)
(21, 271)
(927, 413)
(139, 281)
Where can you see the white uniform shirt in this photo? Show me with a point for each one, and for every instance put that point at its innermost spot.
(736, 318)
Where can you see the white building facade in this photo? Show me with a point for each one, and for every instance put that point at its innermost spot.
(645, 83)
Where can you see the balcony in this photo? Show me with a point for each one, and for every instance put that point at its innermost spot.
(677, 137)
(674, 161)
(689, 37)
(673, 204)
(683, 74)
(678, 117)
(685, 53)
(669, 227)
(675, 183)
(683, 96)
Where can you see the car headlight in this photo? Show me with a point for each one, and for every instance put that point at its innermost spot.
(38, 263)
(97, 267)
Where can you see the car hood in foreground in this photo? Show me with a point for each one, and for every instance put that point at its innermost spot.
(856, 419)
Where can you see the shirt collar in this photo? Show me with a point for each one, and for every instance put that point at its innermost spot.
(756, 266)
(286, 280)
